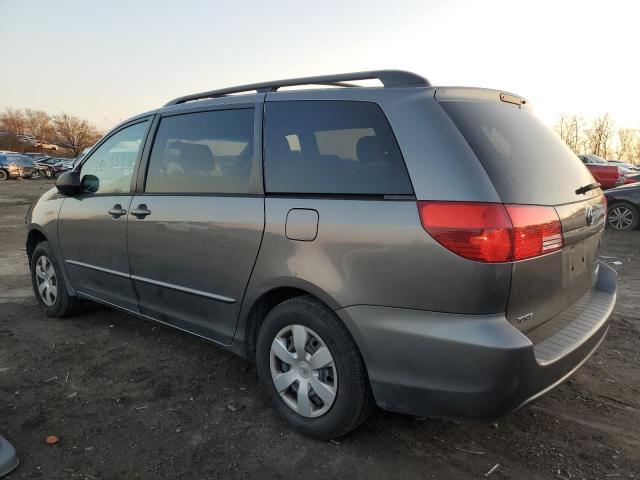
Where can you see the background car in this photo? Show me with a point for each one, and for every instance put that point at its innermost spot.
(624, 206)
(30, 169)
(628, 166)
(15, 165)
(8, 167)
(55, 165)
(46, 146)
(606, 174)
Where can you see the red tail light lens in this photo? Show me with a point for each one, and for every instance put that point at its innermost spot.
(492, 232)
(477, 231)
(536, 230)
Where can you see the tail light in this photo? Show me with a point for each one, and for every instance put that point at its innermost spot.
(492, 232)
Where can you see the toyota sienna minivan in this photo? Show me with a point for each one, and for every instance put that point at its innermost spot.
(429, 250)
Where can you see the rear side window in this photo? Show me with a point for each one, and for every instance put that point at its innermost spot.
(525, 160)
(332, 147)
(204, 152)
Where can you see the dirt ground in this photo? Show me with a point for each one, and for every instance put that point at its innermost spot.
(131, 399)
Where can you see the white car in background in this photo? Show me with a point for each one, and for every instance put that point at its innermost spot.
(47, 146)
(625, 165)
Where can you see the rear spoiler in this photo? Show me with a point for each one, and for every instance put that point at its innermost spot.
(480, 95)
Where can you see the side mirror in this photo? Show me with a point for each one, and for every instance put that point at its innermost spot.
(69, 183)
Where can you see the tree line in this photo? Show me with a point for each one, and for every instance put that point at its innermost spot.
(599, 136)
(64, 130)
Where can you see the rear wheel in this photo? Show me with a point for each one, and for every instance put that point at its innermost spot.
(3, 175)
(623, 216)
(48, 283)
(312, 369)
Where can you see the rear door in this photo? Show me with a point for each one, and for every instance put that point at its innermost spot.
(529, 165)
(196, 223)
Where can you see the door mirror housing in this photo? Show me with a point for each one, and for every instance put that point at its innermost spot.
(69, 183)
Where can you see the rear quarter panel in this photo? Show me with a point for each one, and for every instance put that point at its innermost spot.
(371, 252)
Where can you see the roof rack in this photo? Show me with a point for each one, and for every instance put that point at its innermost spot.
(388, 78)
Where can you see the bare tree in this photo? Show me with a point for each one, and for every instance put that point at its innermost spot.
(571, 130)
(599, 136)
(74, 133)
(634, 156)
(627, 137)
(13, 121)
(38, 124)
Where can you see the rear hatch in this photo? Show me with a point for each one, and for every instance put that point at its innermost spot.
(529, 165)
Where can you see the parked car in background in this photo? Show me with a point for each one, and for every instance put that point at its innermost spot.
(30, 169)
(16, 165)
(624, 206)
(36, 155)
(56, 165)
(629, 166)
(8, 167)
(28, 139)
(47, 146)
(608, 176)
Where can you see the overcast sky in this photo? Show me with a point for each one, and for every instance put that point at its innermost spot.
(108, 60)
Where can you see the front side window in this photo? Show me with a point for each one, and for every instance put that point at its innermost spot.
(203, 152)
(110, 168)
(332, 147)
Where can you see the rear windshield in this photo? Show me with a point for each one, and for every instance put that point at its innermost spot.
(525, 160)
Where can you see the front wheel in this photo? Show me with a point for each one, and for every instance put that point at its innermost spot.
(623, 216)
(36, 174)
(48, 283)
(312, 370)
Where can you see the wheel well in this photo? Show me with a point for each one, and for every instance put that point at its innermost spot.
(33, 239)
(259, 311)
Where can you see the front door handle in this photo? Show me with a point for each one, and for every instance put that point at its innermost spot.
(117, 211)
(140, 212)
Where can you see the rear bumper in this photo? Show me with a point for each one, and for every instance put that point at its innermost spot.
(472, 366)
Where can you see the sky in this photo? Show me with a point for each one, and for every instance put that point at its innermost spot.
(107, 60)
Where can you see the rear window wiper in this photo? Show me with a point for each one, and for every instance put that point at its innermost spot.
(587, 188)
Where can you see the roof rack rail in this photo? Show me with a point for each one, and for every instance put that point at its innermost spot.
(388, 78)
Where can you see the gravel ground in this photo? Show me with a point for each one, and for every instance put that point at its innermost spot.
(131, 399)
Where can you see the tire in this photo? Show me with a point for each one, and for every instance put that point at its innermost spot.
(345, 375)
(57, 303)
(3, 175)
(36, 174)
(623, 216)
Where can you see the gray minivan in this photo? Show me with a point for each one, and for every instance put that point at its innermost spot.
(430, 250)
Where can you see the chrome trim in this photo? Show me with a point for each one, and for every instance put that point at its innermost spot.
(99, 269)
(192, 291)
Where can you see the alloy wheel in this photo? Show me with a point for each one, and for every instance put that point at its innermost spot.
(303, 371)
(621, 218)
(47, 281)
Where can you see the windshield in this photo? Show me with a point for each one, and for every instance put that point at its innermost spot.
(526, 162)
